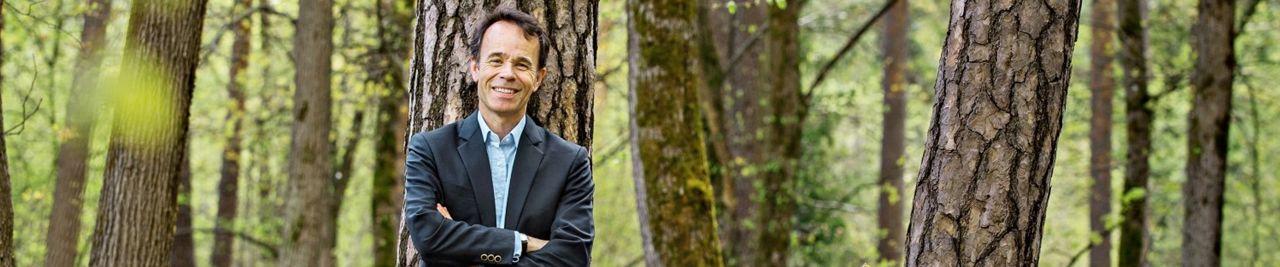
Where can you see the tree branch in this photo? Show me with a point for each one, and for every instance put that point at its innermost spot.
(1249, 10)
(848, 45)
(27, 113)
(271, 249)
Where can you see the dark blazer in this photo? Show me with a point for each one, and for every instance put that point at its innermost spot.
(550, 198)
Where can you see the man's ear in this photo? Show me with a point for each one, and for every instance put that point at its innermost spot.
(472, 69)
(542, 74)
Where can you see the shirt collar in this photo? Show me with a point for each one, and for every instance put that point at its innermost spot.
(514, 134)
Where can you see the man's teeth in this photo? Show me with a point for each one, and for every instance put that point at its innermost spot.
(504, 90)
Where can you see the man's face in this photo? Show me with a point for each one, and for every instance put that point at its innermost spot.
(506, 71)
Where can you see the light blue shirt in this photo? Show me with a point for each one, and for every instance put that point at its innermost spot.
(502, 157)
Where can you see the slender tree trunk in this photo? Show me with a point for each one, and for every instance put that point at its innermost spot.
(1214, 43)
(893, 144)
(730, 57)
(395, 17)
(62, 239)
(440, 91)
(752, 141)
(1102, 85)
(669, 158)
(183, 251)
(229, 184)
(784, 125)
(6, 199)
(1138, 117)
(138, 208)
(984, 179)
(309, 229)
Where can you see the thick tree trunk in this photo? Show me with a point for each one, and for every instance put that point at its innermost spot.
(669, 158)
(1214, 43)
(138, 208)
(229, 184)
(984, 179)
(440, 91)
(1138, 119)
(183, 251)
(62, 239)
(395, 18)
(309, 229)
(893, 144)
(1102, 85)
(6, 199)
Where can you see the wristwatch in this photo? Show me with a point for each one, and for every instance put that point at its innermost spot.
(524, 244)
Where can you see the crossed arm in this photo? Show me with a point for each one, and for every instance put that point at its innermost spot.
(437, 236)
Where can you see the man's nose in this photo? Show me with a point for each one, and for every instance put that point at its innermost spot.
(506, 72)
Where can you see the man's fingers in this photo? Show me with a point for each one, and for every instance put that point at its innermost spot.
(443, 211)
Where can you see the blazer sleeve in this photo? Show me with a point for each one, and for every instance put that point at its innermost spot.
(573, 229)
(435, 237)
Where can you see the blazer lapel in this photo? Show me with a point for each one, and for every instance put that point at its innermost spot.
(476, 158)
(528, 161)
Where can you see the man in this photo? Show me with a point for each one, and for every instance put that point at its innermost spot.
(495, 188)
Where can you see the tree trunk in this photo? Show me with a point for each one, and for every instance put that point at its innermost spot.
(138, 208)
(984, 178)
(1138, 119)
(732, 113)
(309, 228)
(1209, 119)
(62, 239)
(229, 184)
(670, 159)
(744, 131)
(440, 91)
(183, 251)
(893, 144)
(6, 199)
(395, 17)
(1102, 85)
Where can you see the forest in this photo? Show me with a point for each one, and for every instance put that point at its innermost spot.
(720, 132)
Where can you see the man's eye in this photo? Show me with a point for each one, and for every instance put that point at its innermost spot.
(522, 67)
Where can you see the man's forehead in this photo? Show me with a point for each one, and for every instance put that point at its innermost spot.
(506, 33)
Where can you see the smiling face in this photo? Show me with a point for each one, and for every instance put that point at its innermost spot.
(506, 71)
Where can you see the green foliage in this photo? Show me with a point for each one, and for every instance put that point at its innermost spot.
(836, 186)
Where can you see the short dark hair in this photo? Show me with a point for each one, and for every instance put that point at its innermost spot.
(526, 22)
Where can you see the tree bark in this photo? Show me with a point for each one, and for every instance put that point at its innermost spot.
(6, 197)
(1102, 85)
(138, 208)
(730, 100)
(229, 184)
(984, 179)
(183, 251)
(670, 159)
(751, 114)
(395, 17)
(440, 91)
(1138, 119)
(1214, 43)
(309, 229)
(893, 143)
(62, 239)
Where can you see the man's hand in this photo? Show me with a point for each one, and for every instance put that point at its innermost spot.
(535, 244)
(443, 211)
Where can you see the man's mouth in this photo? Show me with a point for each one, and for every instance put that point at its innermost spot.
(505, 91)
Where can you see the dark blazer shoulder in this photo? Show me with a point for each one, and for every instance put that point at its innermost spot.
(558, 146)
(439, 136)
